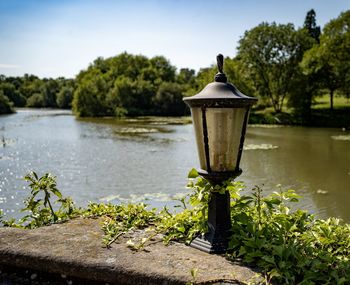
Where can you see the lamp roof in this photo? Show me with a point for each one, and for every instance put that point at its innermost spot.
(220, 93)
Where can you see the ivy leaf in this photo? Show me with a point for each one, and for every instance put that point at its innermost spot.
(193, 173)
(56, 192)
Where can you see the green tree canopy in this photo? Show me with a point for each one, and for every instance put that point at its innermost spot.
(168, 99)
(5, 104)
(305, 85)
(125, 84)
(9, 90)
(311, 26)
(271, 54)
(329, 61)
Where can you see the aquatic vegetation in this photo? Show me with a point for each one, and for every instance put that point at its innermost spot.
(341, 138)
(162, 120)
(135, 130)
(263, 146)
(320, 191)
(266, 126)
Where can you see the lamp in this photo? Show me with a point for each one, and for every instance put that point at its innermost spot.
(220, 114)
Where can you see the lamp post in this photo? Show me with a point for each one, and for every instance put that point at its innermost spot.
(220, 114)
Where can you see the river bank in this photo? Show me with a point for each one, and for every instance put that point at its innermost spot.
(321, 118)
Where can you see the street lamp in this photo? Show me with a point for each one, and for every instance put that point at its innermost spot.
(220, 114)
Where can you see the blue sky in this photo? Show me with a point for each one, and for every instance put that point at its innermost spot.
(60, 37)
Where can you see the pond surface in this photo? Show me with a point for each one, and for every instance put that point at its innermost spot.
(148, 159)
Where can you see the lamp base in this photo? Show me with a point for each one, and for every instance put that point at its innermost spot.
(216, 240)
(204, 244)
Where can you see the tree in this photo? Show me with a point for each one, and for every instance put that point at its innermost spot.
(271, 53)
(36, 100)
(168, 100)
(204, 76)
(310, 25)
(31, 85)
(164, 70)
(305, 85)
(239, 76)
(49, 90)
(124, 84)
(5, 104)
(9, 90)
(329, 62)
(90, 95)
(186, 76)
(64, 97)
(133, 97)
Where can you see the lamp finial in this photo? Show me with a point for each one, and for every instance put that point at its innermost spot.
(220, 76)
(220, 62)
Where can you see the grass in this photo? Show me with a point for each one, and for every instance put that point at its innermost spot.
(321, 115)
(339, 102)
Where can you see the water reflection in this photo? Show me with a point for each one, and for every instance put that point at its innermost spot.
(148, 159)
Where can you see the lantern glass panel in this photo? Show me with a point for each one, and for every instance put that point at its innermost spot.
(198, 130)
(224, 131)
(224, 135)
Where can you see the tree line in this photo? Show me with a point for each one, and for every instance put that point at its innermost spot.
(31, 91)
(281, 65)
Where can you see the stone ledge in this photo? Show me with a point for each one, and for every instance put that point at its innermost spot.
(75, 249)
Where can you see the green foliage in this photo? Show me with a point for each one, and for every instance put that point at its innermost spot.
(36, 100)
(49, 92)
(64, 97)
(9, 90)
(5, 104)
(289, 247)
(168, 99)
(180, 226)
(186, 76)
(129, 84)
(39, 206)
(311, 26)
(329, 62)
(272, 53)
(32, 91)
(119, 219)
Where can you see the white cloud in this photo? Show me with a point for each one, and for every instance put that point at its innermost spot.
(9, 66)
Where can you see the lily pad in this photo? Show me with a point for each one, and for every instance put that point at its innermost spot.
(126, 131)
(263, 146)
(341, 138)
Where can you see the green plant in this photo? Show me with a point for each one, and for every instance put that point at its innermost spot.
(40, 204)
(180, 226)
(194, 274)
(289, 247)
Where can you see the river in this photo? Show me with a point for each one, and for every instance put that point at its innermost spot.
(147, 159)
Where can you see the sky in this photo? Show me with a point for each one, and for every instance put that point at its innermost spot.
(52, 38)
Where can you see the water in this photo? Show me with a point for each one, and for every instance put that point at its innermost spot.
(105, 160)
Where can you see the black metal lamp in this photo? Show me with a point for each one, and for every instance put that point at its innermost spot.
(220, 114)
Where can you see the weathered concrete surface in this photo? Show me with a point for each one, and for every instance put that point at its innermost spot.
(75, 249)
